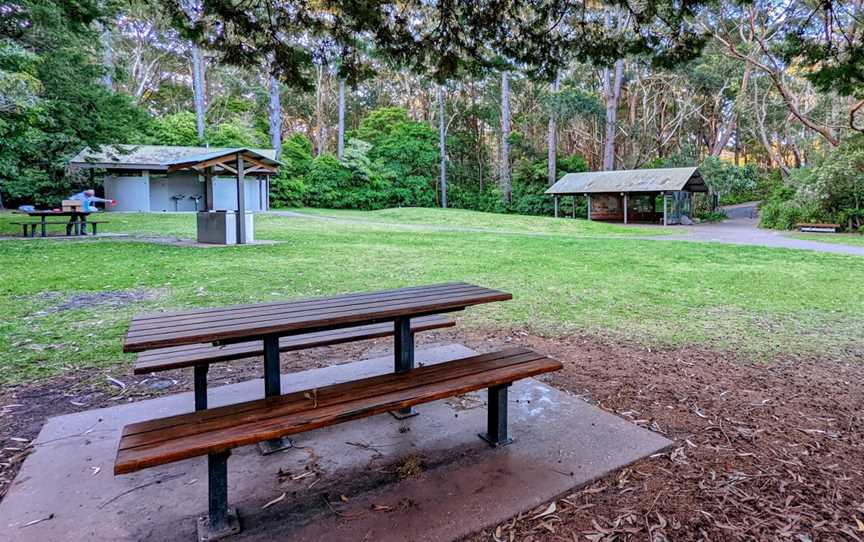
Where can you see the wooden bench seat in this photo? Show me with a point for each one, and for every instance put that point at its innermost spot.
(38, 223)
(177, 357)
(819, 228)
(158, 442)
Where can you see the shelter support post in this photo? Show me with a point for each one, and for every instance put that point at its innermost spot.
(589, 206)
(625, 207)
(496, 417)
(208, 189)
(664, 208)
(556, 206)
(403, 358)
(574, 206)
(241, 202)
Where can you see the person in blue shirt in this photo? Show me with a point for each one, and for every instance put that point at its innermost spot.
(88, 197)
(88, 200)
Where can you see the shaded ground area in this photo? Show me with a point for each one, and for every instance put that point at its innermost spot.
(765, 451)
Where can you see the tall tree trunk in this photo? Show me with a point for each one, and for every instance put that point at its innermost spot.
(340, 149)
(198, 90)
(320, 130)
(442, 147)
(612, 93)
(274, 111)
(552, 137)
(506, 185)
(731, 127)
(107, 58)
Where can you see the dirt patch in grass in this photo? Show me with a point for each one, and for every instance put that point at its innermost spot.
(59, 302)
(764, 451)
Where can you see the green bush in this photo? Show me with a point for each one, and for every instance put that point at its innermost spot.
(711, 216)
(176, 129)
(531, 180)
(327, 182)
(288, 187)
(734, 184)
(403, 154)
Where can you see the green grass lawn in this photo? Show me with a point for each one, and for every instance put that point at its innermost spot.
(854, 239)
(462, 219)
(758, 300)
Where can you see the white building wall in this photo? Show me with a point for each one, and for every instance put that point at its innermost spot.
(163, 187)
(153, 192)
(131, 191)
(225, 194)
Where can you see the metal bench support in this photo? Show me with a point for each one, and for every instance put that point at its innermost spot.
(403, 358)
(272, 388)
(201, 387)
(496, 417)
(220, 521)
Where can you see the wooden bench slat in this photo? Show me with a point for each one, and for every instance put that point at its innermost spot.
(188, 424)
(310, 320)
(307, 302)
(349, 401)
(164, 359)
(283, 311)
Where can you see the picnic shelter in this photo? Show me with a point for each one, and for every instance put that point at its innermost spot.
(662, 196)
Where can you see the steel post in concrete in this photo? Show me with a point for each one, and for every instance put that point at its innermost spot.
(496, 417)
(403, 357)
(201, 386)
(273, 388)
(220, 521)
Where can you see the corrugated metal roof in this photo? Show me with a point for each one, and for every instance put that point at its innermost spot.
(152, 157)
(630, 180)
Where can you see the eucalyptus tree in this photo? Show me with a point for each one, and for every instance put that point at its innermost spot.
(772, 37)
(193, 10)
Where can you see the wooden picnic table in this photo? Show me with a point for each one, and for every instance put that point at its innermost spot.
(77, 220)
(268, 421)
(268, 322)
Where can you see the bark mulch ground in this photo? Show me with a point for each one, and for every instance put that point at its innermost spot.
(764, 451)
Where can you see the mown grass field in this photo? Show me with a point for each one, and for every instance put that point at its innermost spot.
(66, 304)
(854, 239)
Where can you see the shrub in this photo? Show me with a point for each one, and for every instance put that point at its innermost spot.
(176, 129)
(530, 182)
(327, 182)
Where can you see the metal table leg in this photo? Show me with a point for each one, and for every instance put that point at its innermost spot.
(201, 387)
(403, 358)
(272, 388)
(220, 521)
(496, 417)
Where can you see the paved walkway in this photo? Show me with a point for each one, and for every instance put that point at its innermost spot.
(742, 229)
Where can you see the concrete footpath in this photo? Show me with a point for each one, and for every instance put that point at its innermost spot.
(425, 478)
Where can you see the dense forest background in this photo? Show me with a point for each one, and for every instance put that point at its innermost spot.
(758, 109)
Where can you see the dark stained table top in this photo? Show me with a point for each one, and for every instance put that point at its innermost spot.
(58, 213)
(247, 322)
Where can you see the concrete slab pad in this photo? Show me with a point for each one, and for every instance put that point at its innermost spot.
(424, 478)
